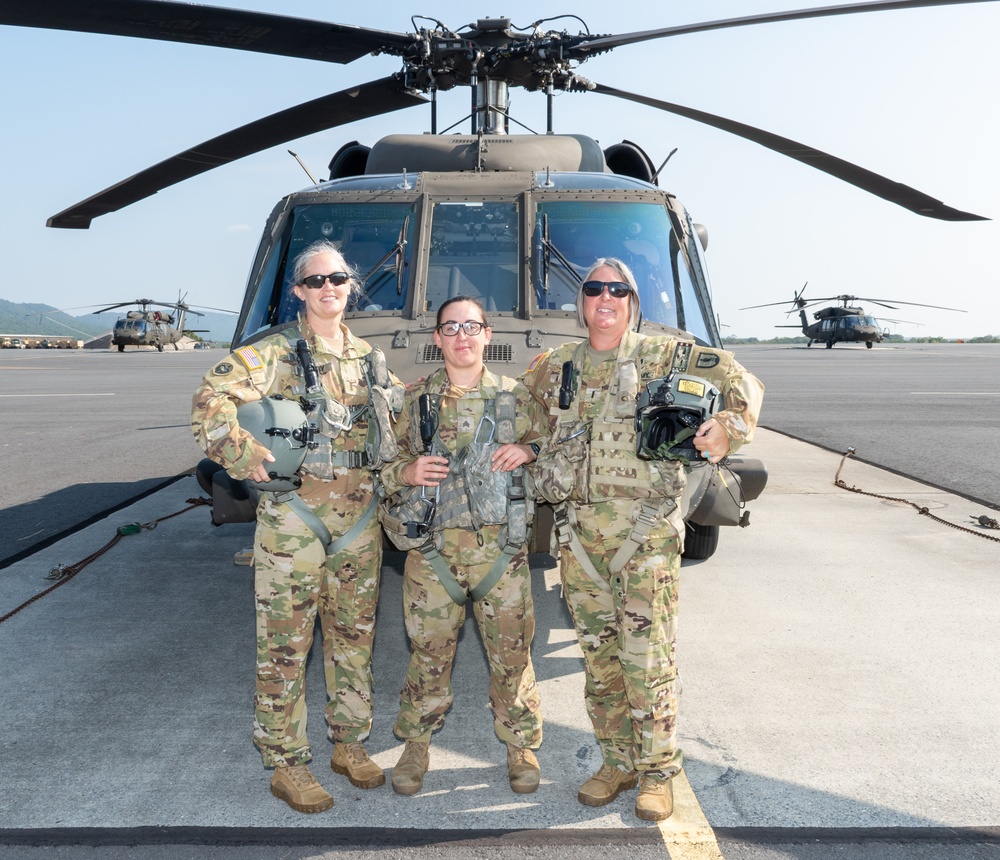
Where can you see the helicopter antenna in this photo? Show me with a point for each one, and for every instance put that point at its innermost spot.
(665, 160)
(306, 169)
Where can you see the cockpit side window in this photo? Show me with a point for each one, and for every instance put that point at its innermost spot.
(571, 235)
(374, 238)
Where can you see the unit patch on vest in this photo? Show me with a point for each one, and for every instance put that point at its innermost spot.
(223, 368)
(250, 357)
(706, 360)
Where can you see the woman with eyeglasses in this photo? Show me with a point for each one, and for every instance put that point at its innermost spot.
(463, 511)
(317, 549)
(619, 525)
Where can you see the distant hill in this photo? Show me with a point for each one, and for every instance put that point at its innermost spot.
(25, 318)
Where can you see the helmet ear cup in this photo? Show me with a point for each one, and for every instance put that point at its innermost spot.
(672, 427)
(281, 426)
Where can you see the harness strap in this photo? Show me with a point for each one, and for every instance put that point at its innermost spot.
(455, 591)
(316, 526)
(565, 519)
(647, 518)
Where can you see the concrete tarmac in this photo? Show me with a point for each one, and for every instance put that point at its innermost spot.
(838, 660)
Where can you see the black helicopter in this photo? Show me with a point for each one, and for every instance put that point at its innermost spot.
(842, 323)
(148, 327)
(513, 219)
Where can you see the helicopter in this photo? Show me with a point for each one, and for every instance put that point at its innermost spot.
(147, 327)
(513, 219)
(843, 323)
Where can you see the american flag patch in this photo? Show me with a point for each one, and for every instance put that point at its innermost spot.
(250, 357)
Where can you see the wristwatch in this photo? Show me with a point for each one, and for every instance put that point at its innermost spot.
(534, 447)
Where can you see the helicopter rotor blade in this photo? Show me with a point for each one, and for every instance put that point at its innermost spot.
(589, 46)
(207, 25)
(866, 180)
(914, 304)
(367, 100)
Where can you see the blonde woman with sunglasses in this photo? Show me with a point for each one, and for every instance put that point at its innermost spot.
(317, 548)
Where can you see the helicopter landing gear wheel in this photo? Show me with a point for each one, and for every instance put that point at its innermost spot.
(700, 542)
(868, 344)
(159, 347)
(121, 347)
(809, 343)
(829, 344)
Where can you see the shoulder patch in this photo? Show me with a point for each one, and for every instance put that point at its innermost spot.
(538, 358)
(223, 368)
(250, 357)
(706, 360)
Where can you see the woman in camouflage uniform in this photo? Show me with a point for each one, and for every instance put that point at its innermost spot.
(619, 525)
(465, 553)
(296, 578)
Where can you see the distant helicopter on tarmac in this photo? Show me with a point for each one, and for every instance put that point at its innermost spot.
(147, 327)
(845, 323)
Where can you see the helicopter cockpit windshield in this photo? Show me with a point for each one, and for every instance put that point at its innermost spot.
(571, 235)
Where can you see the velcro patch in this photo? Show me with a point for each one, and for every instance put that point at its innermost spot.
(250, 357)
(706, 360)
(223, 368)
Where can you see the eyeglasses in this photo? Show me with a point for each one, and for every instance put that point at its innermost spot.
(617, 289)
(314, 282)
(470, 327)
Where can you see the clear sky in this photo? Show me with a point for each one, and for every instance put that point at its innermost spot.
(909, 94)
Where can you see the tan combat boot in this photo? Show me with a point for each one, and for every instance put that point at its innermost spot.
(655, 801)
(605, 785)
(295, 785)
(408, 774)
(523, 771)
(351, 760)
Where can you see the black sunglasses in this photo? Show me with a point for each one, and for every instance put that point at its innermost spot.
(617, 289)
(314, 282)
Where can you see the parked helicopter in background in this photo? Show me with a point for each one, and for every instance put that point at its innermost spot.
(148, 327)
(843, 323)
(514, 220)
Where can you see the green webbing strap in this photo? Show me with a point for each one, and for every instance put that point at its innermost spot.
(649, 516)
(493, 577)
(348, 537)
(565, 517)
(315, 524)
(455, 591)
(306, 515)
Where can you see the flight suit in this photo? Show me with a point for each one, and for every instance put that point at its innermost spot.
(626, 621)
(295, 578)
(505, 616)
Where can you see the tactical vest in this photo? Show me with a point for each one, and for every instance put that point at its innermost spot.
(607, 467)
(329, 418)
(473, 494)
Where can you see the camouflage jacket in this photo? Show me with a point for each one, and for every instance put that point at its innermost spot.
(270, 366)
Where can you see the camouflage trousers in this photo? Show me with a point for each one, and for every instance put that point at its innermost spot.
(627, 628)
(296, 582)
(506, 620)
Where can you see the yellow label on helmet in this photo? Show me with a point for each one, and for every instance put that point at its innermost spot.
(690, 386)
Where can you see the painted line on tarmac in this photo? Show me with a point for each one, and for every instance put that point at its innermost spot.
(687, 834)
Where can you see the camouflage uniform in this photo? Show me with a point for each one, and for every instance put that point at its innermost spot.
(626, 622)
(295, 579)
(506, 616)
